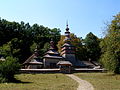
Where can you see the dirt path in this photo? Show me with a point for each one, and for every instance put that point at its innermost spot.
(83, 85)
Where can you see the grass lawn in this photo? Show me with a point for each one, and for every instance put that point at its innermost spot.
(41, 82)
(102, 81)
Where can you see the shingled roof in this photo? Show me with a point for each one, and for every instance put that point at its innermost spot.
(33, 59)
(52, 52)
(64, 63)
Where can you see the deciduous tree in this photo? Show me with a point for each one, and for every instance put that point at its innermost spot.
(111, 46)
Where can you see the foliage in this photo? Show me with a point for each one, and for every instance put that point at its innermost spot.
(60, 43)
(16, 39)
(80, 49)
(86, 49)
(111, 46)
(91, 43)
(32, 47)
(46, 47)
(109, 61)
(5, 50)
(8, 69)
(10, 49)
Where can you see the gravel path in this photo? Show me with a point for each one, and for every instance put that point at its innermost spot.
(83, 85)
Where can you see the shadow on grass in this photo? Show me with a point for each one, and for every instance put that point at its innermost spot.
(18, 81)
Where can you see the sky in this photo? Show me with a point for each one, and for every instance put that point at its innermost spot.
(83, 16)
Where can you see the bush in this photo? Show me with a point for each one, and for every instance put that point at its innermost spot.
(109, 61)
(8, 69)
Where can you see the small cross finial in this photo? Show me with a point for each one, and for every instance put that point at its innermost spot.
(67, 29)
(67, 23)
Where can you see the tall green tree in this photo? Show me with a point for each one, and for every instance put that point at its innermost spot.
(111, 46)
(91, 43)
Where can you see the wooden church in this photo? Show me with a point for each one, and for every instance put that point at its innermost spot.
(54, 59)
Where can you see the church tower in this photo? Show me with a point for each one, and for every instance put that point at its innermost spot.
(68, 50)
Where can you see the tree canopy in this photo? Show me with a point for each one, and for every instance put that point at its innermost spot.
(17, 39)
(91, 43)
(110, 46)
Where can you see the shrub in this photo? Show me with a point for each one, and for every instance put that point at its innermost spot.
(8, 69)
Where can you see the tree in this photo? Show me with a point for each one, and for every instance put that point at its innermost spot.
(91, 43)
(8, 69)
(9, 49)
(110, 46)
(16, 39)
(61, 42)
